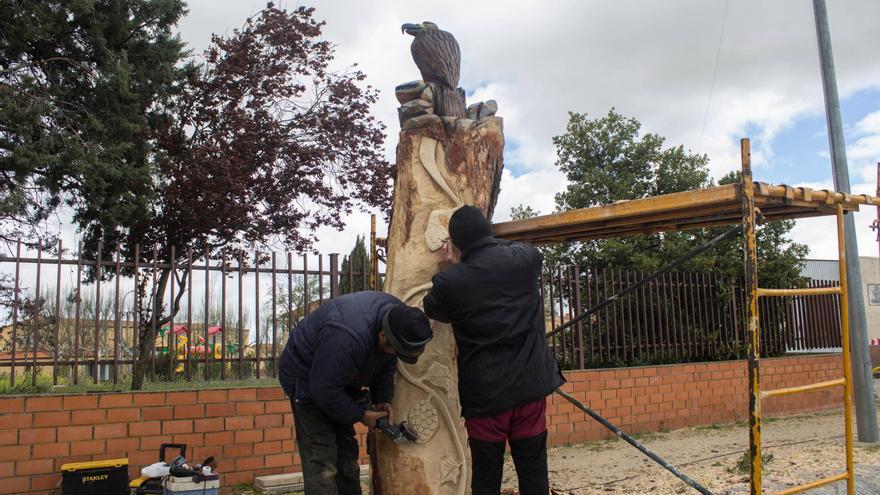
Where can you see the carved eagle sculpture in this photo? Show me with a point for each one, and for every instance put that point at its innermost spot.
(438, 58)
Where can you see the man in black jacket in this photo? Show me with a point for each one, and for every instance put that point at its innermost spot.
(492, 298)
(350, 342)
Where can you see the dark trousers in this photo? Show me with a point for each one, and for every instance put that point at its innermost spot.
(329, 452)
(529, 458)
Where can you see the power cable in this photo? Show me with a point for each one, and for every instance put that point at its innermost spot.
(715, 73)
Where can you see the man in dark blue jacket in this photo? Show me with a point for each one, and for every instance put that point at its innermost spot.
(505, 369)
(349, 343)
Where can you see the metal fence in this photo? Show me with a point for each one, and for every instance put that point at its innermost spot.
(682, 316)
(233, 319)
(235, 314)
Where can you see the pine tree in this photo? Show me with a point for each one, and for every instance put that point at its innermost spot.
(359, 261)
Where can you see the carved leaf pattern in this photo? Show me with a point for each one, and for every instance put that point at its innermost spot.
(450, 470)
(441, 377)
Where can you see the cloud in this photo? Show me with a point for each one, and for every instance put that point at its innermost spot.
(651, 60)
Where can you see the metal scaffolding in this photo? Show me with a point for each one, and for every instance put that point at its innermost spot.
(745, 202)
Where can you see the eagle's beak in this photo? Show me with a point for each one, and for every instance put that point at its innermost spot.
(411, 29)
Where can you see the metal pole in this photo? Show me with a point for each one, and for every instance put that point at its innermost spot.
(847, 382)
(866, 412)
(751, 318)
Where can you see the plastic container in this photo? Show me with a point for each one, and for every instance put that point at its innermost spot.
(108, 477)
(208, 485)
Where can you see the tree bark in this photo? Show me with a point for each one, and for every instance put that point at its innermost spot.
(146, 333)
(441, 166)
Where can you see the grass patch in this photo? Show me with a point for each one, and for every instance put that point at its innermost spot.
(744, 463)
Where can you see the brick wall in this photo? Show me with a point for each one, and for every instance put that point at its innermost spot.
(250, 430)
(676, 396)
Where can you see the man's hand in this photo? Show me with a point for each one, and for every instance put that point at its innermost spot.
(385, 406)
(447, 255)
(370, 418)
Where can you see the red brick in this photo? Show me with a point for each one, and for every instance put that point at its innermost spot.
(219, 410)
(73, 402)
(60, 418)
(190, 439)
(189, 411)
(145, 428)
(240, 423)
(219, 438)
(115, 400)
(15, 485)
(122, 445)
(115, 430)
(242, 395)
(248, 463)
(238, 450)
(177, 426)
(68, 433)
(151, 399)
(7, 469)
(152, 444)
(84, 447)
(37, 435)
(209, 396)
(249, 408)
(39, 466)
(208, 424)
(268, 420)
(157, 413)
(15, 452)
(270, 393)
(88, 417)
(45, 482)
(248, 436)
(277, 406)
(263, 448)
(237, 478)
(175, 398)
(43, 404)
(14, 405)
(50, 450)
(278, 460)
(9, 437)
(124, 415)
(20, 420)
(281, 433)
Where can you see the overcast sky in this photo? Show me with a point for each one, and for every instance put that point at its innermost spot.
(655, 61)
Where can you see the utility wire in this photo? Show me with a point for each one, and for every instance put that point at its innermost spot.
(715, 73)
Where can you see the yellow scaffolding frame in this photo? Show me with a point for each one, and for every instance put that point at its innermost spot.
(716, 206)
(753, 292)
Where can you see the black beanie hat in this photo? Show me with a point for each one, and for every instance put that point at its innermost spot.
(467, 225)
(408, 330)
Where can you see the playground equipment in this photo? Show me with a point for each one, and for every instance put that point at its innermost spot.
(183, 350)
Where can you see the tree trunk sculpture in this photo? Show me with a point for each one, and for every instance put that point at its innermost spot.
(442, 163)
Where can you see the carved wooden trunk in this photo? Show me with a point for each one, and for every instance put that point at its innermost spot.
(441, 165)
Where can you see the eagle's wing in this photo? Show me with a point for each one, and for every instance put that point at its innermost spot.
(437, 56)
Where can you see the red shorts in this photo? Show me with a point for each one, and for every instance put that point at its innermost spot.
(526, 420)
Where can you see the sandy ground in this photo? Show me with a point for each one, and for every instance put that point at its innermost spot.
(803, 448)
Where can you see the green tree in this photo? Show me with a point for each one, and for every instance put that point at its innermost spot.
(359, 260)
(102, 111)
(607, 160)
(81, 85)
